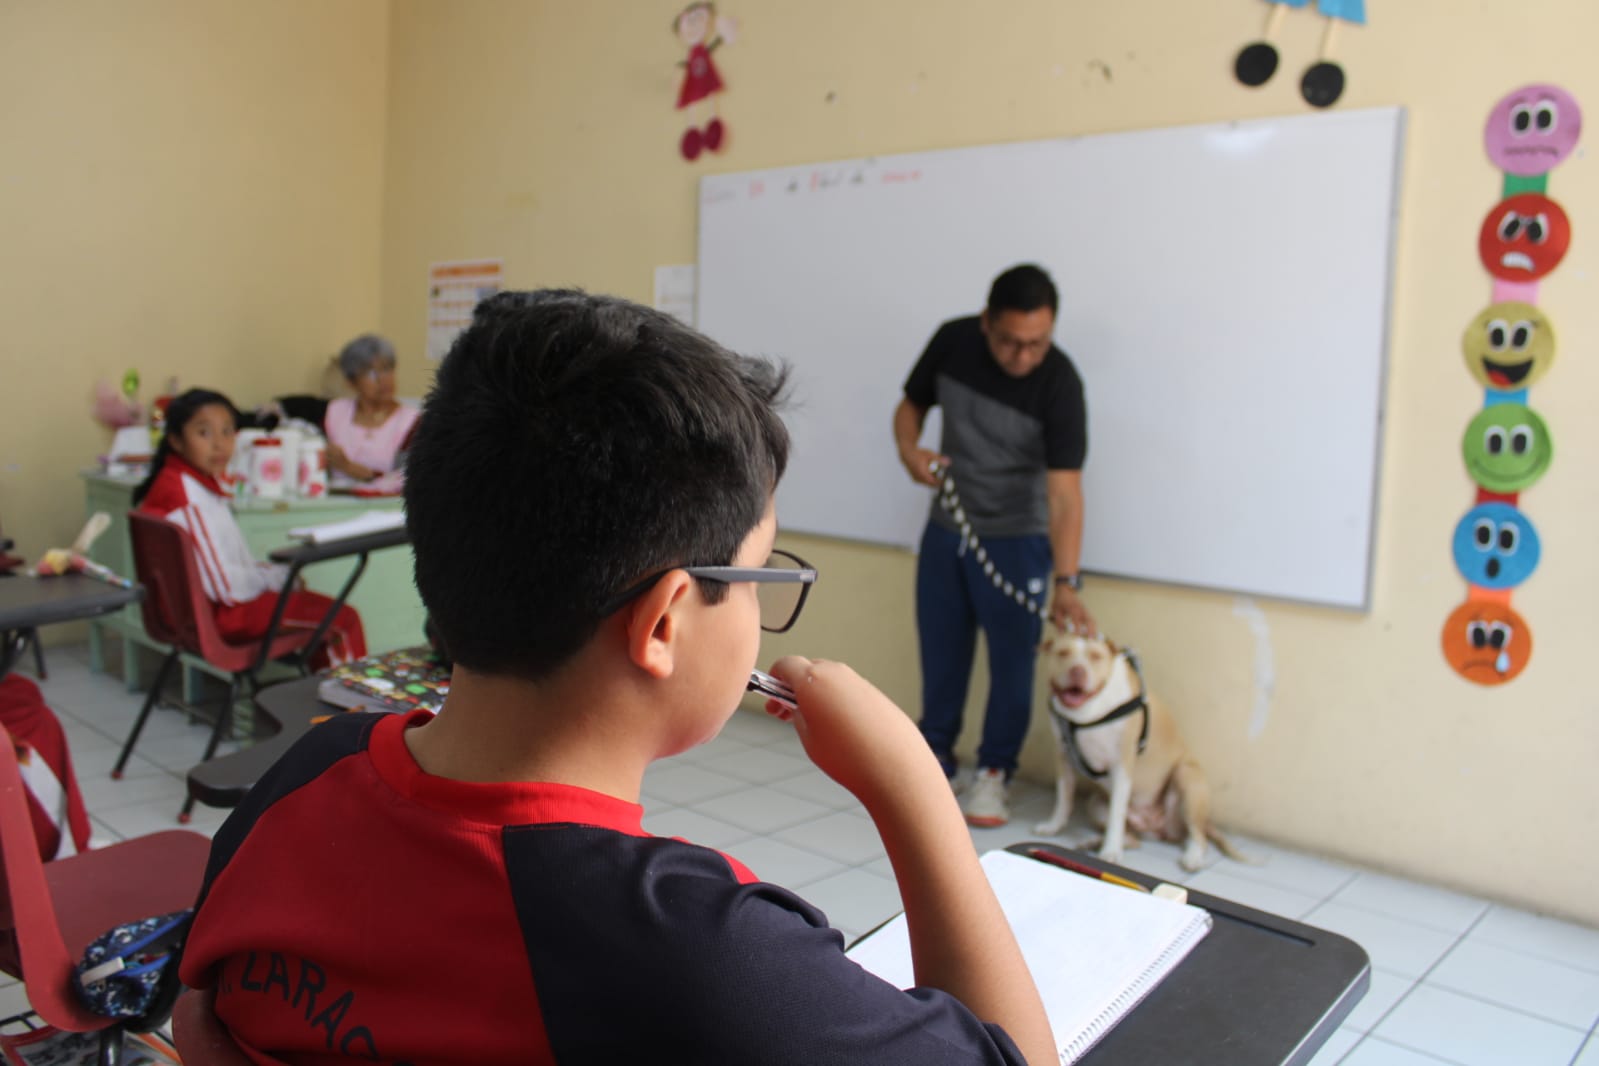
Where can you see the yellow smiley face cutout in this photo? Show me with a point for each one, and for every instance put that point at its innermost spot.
(1509, 346)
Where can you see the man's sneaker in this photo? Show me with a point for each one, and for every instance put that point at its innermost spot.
(985, 799)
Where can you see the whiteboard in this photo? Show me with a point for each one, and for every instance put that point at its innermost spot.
(1224, 295)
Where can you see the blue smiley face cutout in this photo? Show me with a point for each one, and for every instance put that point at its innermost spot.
(1496, 547)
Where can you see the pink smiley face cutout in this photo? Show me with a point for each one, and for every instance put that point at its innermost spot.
(1532, 129)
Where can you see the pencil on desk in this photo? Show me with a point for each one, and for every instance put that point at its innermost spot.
(1082, 868)
(103, 573)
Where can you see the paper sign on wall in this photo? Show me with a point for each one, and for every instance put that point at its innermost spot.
(674, 291)
(454, 290)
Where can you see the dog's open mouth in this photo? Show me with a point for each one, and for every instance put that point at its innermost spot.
(1070, 695)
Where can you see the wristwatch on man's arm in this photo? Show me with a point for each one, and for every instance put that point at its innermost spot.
(1071, 581)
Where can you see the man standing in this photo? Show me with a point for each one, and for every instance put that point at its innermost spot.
(1015, 435)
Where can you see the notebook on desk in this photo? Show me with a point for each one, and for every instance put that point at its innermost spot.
(1095, 949)
(405, 680)
(370, 522)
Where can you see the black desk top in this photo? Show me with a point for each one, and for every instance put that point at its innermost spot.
(30, 602)
(338, 549)
(288, 707)
(1258, 990)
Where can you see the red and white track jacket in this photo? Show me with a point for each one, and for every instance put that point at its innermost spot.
(229, 573)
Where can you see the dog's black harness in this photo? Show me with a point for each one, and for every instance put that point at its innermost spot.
(1133, 706)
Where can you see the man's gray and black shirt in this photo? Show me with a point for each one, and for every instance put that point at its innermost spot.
(1000, 433)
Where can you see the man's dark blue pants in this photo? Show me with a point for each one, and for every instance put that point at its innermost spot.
(954, 599)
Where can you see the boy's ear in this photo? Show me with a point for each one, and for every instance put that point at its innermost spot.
(653, 624)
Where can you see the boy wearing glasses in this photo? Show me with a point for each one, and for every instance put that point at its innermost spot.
(1015, 433)
(590, 503)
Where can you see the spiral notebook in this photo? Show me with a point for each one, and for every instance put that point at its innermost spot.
(1095, 949)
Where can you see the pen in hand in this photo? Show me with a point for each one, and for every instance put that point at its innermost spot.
(771, 688)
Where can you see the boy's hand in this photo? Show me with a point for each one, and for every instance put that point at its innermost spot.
(852, 732)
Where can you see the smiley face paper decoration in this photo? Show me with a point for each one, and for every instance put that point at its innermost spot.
(1509, 346)
(1532, 130)
(1524, 237)
(1487, 642)
(1507, 447)
(1496, 547)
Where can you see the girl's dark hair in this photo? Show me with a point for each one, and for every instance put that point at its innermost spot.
(182, 408)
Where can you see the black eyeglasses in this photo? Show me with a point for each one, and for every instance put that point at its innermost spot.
(780, 587)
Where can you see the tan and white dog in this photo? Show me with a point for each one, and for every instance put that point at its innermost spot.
(1109, 729)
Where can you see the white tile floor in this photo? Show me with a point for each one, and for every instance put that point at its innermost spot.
(1455, 979)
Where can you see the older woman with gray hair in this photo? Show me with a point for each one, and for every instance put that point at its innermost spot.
(368, 432)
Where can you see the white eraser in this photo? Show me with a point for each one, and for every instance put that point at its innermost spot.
(1175, 893)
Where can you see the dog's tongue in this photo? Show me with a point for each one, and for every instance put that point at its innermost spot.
(1071, 697)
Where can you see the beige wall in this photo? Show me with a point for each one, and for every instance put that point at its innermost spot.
(187, 187)
(226, 191)
(545, 133)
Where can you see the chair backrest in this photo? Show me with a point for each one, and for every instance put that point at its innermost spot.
(30, 930)
(175, 607)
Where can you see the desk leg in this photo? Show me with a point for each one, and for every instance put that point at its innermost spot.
(191, 685)
(96, 649)
(130, 664)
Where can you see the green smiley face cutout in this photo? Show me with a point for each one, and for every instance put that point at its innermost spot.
(1507, 447)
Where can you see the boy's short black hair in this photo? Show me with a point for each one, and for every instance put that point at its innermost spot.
(1022, 288)
(572, 445)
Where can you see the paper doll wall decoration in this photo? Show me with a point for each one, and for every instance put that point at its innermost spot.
(1323, 82)
(703, 31)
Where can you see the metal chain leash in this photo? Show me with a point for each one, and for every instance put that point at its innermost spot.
(950, 501)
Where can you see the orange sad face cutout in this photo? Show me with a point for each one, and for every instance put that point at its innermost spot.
(1486, 642)
(1509, 346)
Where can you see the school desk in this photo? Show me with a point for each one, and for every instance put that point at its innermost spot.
(1258, 990)
(283, 711)
(26, 603)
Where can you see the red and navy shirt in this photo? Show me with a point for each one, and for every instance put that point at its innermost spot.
(358, 908)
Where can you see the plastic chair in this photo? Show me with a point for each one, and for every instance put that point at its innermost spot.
(50, 911)
(201, 1038)
(176, 612)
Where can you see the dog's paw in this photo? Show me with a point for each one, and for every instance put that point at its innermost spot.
(1111, 854)
(1050, 828)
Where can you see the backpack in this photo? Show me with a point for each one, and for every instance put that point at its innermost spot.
(59, 815)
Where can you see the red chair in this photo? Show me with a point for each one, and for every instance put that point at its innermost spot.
(50, 911)
(176, 612)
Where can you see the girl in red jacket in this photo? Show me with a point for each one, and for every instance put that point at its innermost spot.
(185, 488)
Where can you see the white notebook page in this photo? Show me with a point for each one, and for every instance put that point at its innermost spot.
(1095, 949)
